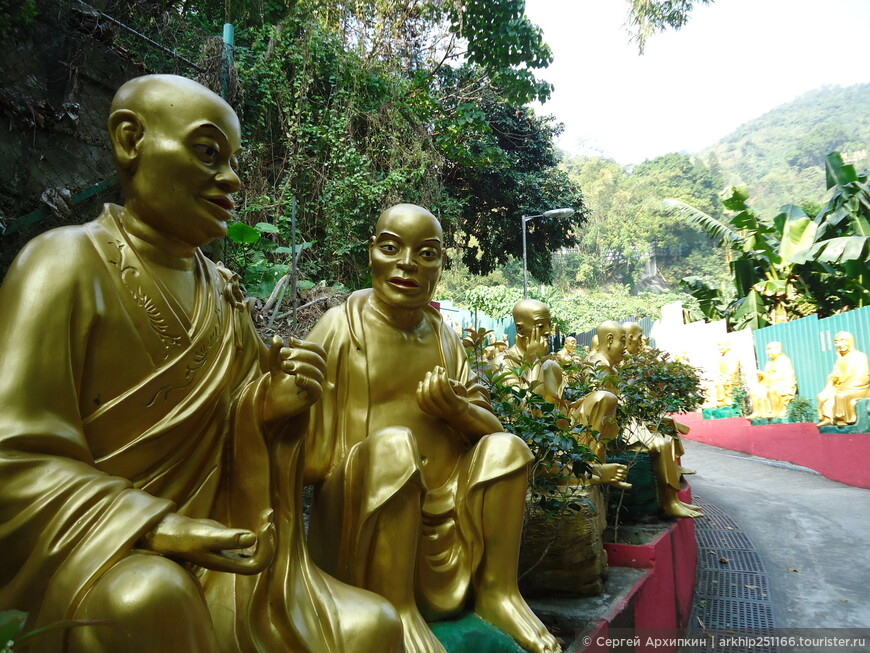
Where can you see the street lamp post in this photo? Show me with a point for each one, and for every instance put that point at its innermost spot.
(553, 213)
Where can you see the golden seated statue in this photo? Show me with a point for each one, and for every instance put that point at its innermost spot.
(777, 385)
(148, 439)
(568, 353)
(419, 494)
(534, 325)
(729, 376)
(665, 451)
(848, 382)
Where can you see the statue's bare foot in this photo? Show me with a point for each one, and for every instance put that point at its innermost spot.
(824, 422)
(673, 507)
(686, 472)
(509, 613)
(418, 637)
(676, 508)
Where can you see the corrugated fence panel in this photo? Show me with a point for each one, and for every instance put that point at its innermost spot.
(809, 342)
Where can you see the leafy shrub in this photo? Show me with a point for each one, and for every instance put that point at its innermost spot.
(560, 455)
(801, 409)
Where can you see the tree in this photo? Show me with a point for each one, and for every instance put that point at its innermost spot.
(648, 17)
(793, 264)
(628, 225)
(520, 177)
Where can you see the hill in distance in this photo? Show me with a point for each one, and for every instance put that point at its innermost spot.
(780, 156)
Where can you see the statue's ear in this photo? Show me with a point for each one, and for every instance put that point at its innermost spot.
(371, 247)
(126, 131)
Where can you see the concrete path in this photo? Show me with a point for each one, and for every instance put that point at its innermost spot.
(812, 534)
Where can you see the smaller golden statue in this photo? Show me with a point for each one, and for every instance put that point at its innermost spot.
(419, 493)
(777, 385)
(634, 339)
(534, 325)
(568, 353)
(664, 450)
(729, 375)
(848, 382)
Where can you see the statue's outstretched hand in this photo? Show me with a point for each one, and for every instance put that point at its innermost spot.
(296, 373)
(613, 474)
(209, 544)
(441, 396)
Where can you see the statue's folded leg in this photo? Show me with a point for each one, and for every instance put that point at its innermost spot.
(491, 512)
(155, 604)
(365, 526)
(845, 406)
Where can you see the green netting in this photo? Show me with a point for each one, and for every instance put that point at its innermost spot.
(471, 634)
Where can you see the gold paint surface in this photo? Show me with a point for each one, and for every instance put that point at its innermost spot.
(150, 444)
(848, 382)
(419, 493)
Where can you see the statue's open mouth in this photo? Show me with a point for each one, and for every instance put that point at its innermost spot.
(224, 202)
(405, 283)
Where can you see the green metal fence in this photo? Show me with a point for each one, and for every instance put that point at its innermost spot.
(809, 342)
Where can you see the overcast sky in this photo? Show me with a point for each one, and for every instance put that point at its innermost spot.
(734, 61)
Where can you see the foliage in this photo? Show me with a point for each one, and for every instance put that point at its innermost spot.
(555, 441)
(780, 156)
(15, 13)
(628, 229)
(792, 265)
(648, 17)
(651, 385)
(509, 170)
(12, 624)
(801, 409)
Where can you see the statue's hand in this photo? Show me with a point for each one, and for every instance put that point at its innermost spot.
(613, 474)
(209, 544)
(441, 396)
(295, 377)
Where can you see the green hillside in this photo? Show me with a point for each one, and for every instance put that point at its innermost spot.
(780, 155)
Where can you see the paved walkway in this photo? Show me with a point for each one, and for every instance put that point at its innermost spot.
(797, 545)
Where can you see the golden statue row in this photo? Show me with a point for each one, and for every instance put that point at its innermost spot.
(153, 450)
(533, 322)
(848, 382)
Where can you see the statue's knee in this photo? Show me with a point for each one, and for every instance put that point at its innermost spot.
(144, 588)
(504, 445)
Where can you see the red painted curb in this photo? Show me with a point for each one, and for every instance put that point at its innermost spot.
(838, 456)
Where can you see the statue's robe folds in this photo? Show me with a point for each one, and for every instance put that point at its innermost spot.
(117, 408)
(357, 472)
(839, 399)
(780, 384)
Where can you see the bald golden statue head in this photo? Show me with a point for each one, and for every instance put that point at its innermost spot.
(534, 324)
(406, 256)
(176, 145)
(611, 341)
(844, 342)
(633, 337)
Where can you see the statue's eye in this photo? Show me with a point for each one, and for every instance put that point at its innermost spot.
(388, 248)
(428, 254)
(206, 152)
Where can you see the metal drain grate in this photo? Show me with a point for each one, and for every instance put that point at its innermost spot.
(726, 539)
(729, 559)
(714, 519)
(732, 615)
(748, 586)
(732, 592)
